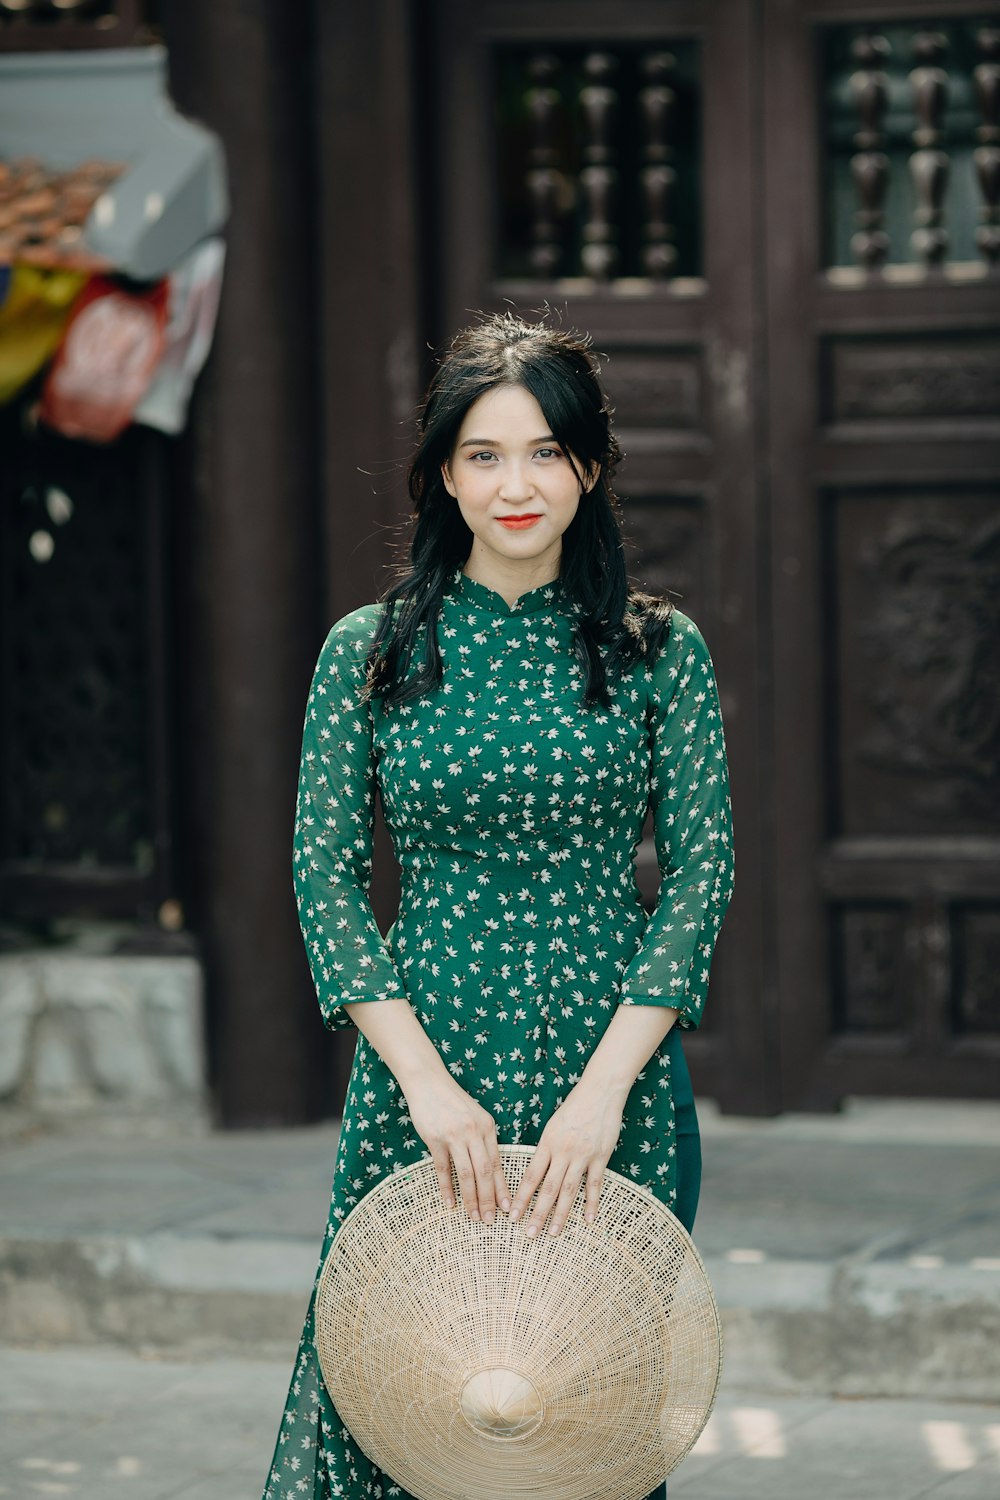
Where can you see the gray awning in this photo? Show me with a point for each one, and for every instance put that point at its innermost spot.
(67, 107)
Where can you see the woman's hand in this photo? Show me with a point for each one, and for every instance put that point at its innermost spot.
(579, 1139)
(452, 1124)
(455, 1128)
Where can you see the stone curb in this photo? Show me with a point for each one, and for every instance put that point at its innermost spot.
(855, 1328)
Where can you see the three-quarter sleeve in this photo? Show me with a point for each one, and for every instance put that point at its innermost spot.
(334, 818)
(693, 831)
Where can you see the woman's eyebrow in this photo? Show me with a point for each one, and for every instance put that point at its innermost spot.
(492, 443)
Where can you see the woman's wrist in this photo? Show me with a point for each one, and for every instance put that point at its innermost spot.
(423, 1070)
(632, 1036)
(600, 1078)
(393, 1029)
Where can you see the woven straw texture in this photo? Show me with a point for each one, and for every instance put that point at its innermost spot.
(470, 1362)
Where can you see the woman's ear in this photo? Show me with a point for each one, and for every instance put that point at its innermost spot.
(591, 477)
(449, 483)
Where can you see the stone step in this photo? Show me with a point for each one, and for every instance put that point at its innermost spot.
(856, 1255)
(792, 1327)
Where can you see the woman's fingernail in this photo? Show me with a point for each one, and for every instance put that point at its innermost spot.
(487, 1218)
(532, 1229)
(515, 1213)
(505, 1205)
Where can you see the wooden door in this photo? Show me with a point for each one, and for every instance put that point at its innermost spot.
(601, 158)
(882, 303)
(779, 220)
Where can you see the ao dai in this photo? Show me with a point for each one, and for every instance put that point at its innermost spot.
(515, 814)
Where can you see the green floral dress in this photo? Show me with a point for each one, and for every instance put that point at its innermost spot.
(515, 813)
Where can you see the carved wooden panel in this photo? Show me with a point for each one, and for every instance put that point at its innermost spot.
(666, 542)
(656, 389)
(910, 379)
(976, 969)
(914, 683)
(870, 989)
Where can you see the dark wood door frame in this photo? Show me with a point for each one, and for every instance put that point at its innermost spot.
(372, 320)
(246, 506)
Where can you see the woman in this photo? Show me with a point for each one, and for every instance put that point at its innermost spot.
(519, 707)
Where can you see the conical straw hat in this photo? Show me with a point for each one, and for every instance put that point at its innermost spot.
(471, 1362)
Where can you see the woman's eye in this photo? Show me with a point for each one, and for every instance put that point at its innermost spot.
(484, 455)
(549, 453)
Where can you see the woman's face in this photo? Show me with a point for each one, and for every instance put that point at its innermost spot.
(514, 484)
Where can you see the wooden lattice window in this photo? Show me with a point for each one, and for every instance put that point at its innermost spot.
(912, 146)
(83, 761)
(598, 154)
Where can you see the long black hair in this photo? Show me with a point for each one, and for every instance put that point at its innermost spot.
(558, 368)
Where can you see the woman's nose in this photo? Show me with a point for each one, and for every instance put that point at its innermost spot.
(516, 482)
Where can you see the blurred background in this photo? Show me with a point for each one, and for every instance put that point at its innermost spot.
(781, 224)
(232, 235)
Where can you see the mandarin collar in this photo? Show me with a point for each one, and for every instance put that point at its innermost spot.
(480, 595)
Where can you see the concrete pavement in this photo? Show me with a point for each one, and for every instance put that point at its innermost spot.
(94, 1423)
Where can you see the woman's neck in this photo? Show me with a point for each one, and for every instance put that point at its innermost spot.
(514, 579)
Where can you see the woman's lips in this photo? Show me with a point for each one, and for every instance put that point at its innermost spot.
(518, 523)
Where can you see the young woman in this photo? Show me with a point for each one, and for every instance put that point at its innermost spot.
(519, 707)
